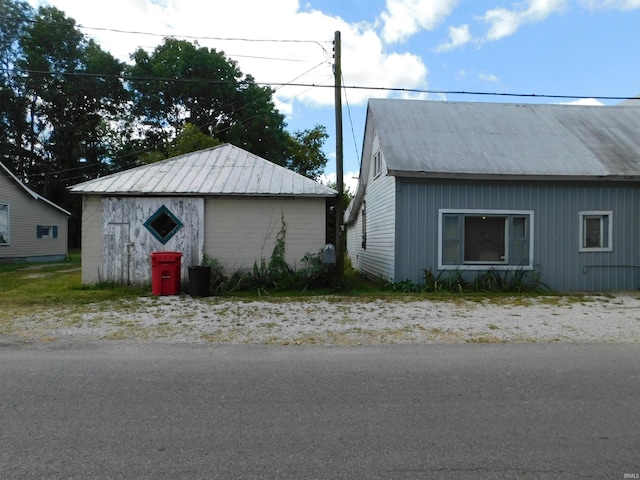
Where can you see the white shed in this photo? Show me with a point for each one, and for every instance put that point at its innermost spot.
(222, 202)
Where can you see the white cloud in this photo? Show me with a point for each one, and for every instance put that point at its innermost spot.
(365, 61)
(491, 78)
(403, 18)
(504, 23)
(458, 37)
(584, 101)
(611, 4)
(349, 179)
(461, 75)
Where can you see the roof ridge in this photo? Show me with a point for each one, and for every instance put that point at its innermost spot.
(33, 194)
(170, 176)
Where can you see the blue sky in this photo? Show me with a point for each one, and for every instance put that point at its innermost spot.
(582, 48)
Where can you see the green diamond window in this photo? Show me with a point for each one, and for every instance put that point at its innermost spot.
(163, 224)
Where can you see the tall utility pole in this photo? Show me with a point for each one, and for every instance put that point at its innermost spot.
(340, 247)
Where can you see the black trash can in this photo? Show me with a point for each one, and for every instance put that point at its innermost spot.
(199, 281)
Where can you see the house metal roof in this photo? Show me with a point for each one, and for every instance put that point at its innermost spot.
(30, 192)
(501, 141)
(222, 170)
(635, 102)
(497, 140)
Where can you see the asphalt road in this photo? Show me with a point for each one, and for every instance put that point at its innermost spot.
(124, 411)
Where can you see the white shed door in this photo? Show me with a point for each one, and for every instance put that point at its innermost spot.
(117, 254)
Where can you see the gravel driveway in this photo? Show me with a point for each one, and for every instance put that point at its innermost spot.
(339, 321)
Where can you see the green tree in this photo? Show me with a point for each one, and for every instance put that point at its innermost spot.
(14, 17)
(70, 92)
(190, 139)
(73, 91)
(180, 83)
(305, 155)
(67, 116)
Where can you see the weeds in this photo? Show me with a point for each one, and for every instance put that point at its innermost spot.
(273, 274)
(517, 280)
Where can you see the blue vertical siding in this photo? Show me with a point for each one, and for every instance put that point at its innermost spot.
(556, 210)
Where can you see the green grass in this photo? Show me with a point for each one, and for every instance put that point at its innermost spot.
(25, 287)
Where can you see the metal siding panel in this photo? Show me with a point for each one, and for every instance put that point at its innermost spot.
(555, 236)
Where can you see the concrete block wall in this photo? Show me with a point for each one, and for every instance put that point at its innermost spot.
(241, 231)
(92, 238)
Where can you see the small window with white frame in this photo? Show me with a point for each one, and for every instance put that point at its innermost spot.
(377, 164)
(596, 231)
(47, 231)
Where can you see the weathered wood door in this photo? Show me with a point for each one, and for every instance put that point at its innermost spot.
(128, 242)
(117, 254)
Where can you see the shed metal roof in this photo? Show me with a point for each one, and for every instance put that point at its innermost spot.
(494, 140)
(222, 170)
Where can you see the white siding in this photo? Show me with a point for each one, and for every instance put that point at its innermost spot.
(241, 231)
(354, 241)
(377, 260)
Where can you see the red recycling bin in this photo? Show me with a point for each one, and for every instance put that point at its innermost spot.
(165, 273)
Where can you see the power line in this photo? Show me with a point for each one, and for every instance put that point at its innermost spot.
(217, 39)
(498, 94)
(256, 57)
(195, 37)
(306, 85)
(150, 148)
(311, 85)
(353, 133)
(173, 35)
(316, 85)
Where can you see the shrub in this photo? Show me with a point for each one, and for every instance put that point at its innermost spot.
(274, 274)
(492, 280)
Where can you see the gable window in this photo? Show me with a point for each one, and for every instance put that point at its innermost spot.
(4, 224)
(596, 230)
(377, 163)
(47, 231)
(478, 239)
(163, 224)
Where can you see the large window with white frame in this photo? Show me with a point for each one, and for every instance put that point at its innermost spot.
(596, 231)
(481, 239)
(4, 224)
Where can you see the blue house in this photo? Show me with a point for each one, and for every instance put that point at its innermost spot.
(472, 187)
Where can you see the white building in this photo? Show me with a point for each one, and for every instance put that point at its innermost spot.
(222, 202)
